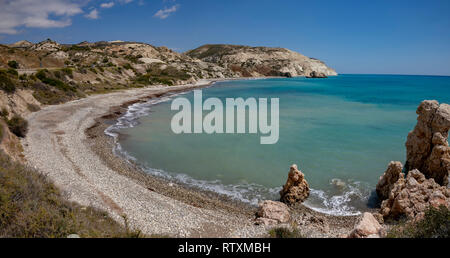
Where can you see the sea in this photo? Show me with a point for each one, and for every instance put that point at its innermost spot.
(341, 131)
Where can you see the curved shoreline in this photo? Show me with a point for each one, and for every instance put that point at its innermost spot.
(67, 142)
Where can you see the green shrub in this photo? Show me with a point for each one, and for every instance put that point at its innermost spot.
(435, 224)
(31, 206)
(18, 125)
(76, 48)
(67, 71)
(41, 74)
(282, 232)
(33, 107)
(57, 74)
(13, 64)
(4, 113)
(6, 84)
(58, 84)
(23, 77)
(13, 72)
(127, 66)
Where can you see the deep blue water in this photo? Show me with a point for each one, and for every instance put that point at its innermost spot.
(344, 128)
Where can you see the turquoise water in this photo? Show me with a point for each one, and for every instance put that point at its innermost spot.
(344, 128)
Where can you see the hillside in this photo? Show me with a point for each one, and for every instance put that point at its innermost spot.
(261, 61)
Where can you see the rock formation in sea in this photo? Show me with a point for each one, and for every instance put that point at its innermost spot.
(427, 147)
(296, 188)
(272, 213)
(427, 167)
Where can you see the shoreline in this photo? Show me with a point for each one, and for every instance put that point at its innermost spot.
(212, 214)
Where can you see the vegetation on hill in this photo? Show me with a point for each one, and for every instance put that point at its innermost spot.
(283, 232)
(7, 81)
(18, 125)
(435, 224)
(31, 206)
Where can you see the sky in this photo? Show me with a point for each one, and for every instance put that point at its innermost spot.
(351, 36)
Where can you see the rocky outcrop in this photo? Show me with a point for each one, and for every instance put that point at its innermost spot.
(366, 227)
(47, 45)
(21, 44)
(388, 179)
(411, 196)
(272, 213)
(296, 188)
(315, 74)
(427, 167)
(427, 147)
(247, 61)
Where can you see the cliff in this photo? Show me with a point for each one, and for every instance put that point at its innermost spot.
(260, 61)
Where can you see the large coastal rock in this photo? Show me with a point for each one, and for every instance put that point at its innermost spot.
(427, 147)
(388, 179)
(272, 213)
(249, 61)
(296, 188)
(367, 227)
(411, 196)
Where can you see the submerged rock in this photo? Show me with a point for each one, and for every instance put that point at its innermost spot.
(272, 213)
(367, 227)
(427, 147)
(388, 179)
(338, 183)
(411, 196)
(296, 188)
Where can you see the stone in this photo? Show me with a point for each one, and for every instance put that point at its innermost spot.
(378, 217)
(272, 212)
(367, 227)
(388, 179)
(73, 236)
(296, 188)
(410, 197)
(427, 146)
(315, 74)
(338, 183)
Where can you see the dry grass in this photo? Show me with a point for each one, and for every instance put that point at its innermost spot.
(32, 206)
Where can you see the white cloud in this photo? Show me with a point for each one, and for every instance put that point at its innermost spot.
(92, 14)
(164, 13)
(37, 14)
(107, 5)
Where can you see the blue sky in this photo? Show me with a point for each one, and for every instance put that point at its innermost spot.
(398, 37)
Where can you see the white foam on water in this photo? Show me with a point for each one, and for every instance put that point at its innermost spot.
(340, 204)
